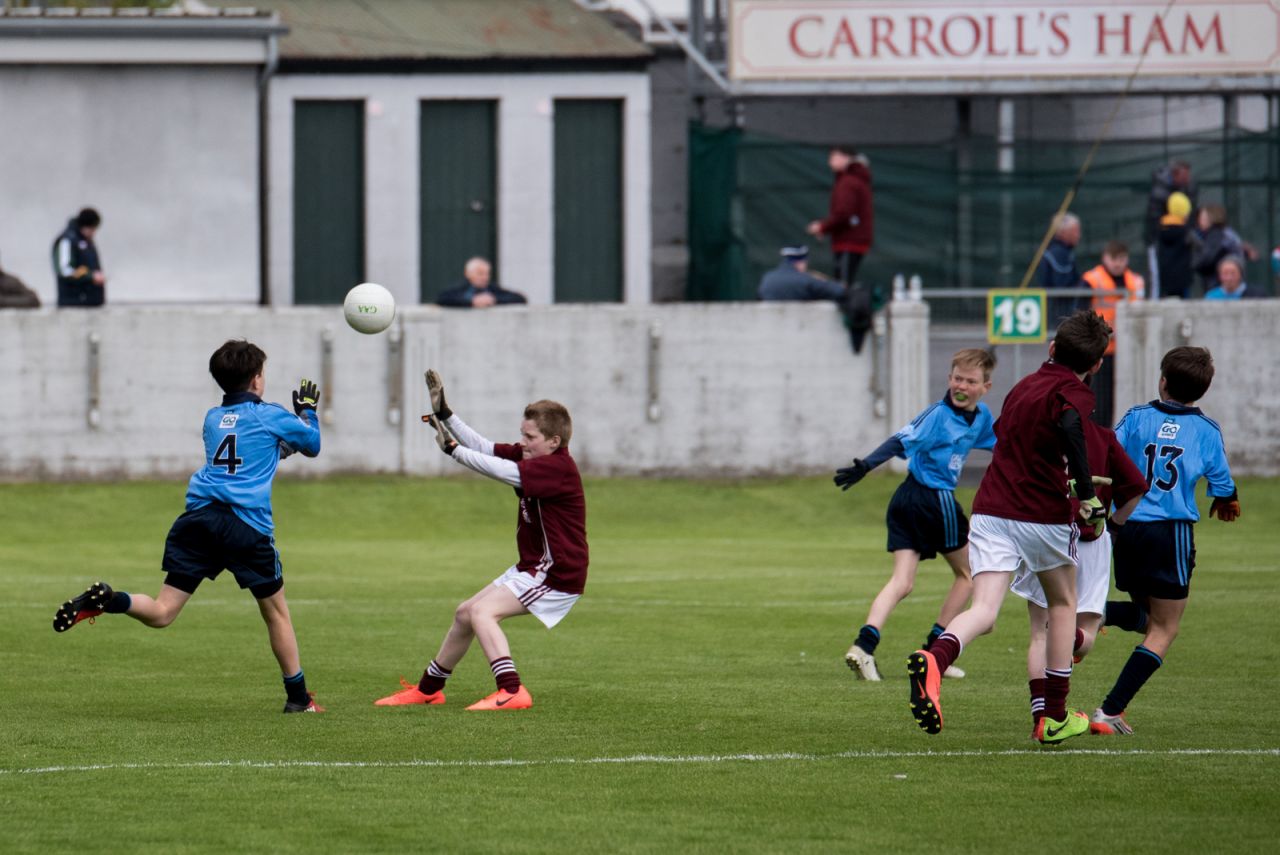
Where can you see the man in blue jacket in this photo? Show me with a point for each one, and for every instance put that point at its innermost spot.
(791, 280)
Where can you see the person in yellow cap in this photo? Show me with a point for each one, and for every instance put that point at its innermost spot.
(1172, 274)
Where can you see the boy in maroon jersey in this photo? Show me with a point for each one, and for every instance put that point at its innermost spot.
(1022, 517)
(551, 535)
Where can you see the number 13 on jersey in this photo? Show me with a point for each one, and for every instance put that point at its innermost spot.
(1015, 316)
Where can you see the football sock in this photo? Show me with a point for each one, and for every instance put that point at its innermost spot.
(1037, 698)
(433, 678)
(946, 649)
(296, 688)
(1057, 684)
(868, 638)
(504, 673)
(1130, 617)
(1141, 665)
(937, 630)
(118, 604)
(1075, 648)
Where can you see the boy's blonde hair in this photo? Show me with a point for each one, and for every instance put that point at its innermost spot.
(552, 419)
(975, 357)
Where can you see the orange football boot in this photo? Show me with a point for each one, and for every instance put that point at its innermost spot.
(926, 687)
(409, 695)
(504, 700)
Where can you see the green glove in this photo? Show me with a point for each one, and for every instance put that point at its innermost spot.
(307, 397)
(1094, 514)
(1098, 481)
(435, 386)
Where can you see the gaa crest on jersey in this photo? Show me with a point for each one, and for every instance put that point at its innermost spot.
(957, 462)
(228, 421)
(1168, 430)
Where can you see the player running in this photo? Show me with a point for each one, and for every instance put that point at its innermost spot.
(1177, 444)
(551, 537)
(924, 517)
(228, 522)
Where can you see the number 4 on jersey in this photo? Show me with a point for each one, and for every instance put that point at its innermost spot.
(226, 454)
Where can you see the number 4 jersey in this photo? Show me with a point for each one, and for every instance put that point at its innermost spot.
(1175, 446)
(244, 440)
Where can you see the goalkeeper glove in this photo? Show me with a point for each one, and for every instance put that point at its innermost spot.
(444, 437)
(1097, 481)
(1227, 508)
(307, 397)
(852, 474)
(435, 386)
(1094, 514)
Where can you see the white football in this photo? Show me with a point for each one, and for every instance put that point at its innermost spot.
(369, 308)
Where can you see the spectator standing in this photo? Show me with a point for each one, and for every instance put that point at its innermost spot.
(1213, 241)
(850, 223)
(1231, 281)
(76, 267)
(791, 279)
(1171, 273)
(14, 293)
(1112, 281)
(1058, 268)
(1174, 177)
(477, 291)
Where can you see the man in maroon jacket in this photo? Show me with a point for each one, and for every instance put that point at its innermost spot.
(551, 536)
(850, 224)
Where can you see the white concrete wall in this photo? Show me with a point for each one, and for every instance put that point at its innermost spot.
(744, 389)
(167, 155)
(525, 182)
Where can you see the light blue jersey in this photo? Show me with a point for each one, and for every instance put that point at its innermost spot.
(938, 441)
(244, 440)
(1174, 446)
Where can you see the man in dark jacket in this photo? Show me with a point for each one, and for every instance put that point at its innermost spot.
(850, 224)
(1058, 269)
(791, 280)
(476, 291)
(81, 281)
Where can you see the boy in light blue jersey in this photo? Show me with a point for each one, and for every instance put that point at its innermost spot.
(227, 523)
(1176, 445)
(924, 517)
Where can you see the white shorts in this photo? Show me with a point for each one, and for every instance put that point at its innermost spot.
(1093, 578)
(1007, 546)
(546, 604)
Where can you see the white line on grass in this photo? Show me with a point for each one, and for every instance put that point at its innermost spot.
(638, 759)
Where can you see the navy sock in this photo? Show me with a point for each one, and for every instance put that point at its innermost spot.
(296, 688)
(1130, 617)
(1136, 672)
(868, 638)
(937, 630)
(118, 604)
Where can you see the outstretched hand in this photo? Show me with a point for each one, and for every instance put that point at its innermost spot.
(435, 387)
(444, 437)
(307, 397)
(852, 474)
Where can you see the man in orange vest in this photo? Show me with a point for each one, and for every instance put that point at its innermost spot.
(1113, 281)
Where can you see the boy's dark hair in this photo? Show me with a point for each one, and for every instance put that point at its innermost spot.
(1115, 248)
(845, 149)
(235, 364)
(975, 357)
(1187, 373)
(88, 218)
(552, 419)
(1217, 215)
(1081, 340)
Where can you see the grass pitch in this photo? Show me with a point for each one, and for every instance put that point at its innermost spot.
(695, 700)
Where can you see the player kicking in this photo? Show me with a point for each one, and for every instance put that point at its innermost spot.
(924, 517)
(228, 522)
(551, 536)
(1022, 517)
(1119, 481)
(1156, 552)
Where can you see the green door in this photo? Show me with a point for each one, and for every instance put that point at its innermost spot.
(457, 211)
(328, 199)
(588, 201)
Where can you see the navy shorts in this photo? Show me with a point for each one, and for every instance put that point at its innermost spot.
(1155, 559)
(926, 520)
(204, 542)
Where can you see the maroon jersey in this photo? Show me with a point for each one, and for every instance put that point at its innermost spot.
(551, 528)
(1027, 478)
(1107, 457)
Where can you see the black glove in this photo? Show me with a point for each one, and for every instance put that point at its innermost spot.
(852, 474)
(444, 437)
(435, 387)
(306, 398)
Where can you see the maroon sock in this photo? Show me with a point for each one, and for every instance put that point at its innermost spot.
(1057, 684)
(1079, 640)
(433, 678)
(504, 673)
(1037, 698)
(945, 650)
